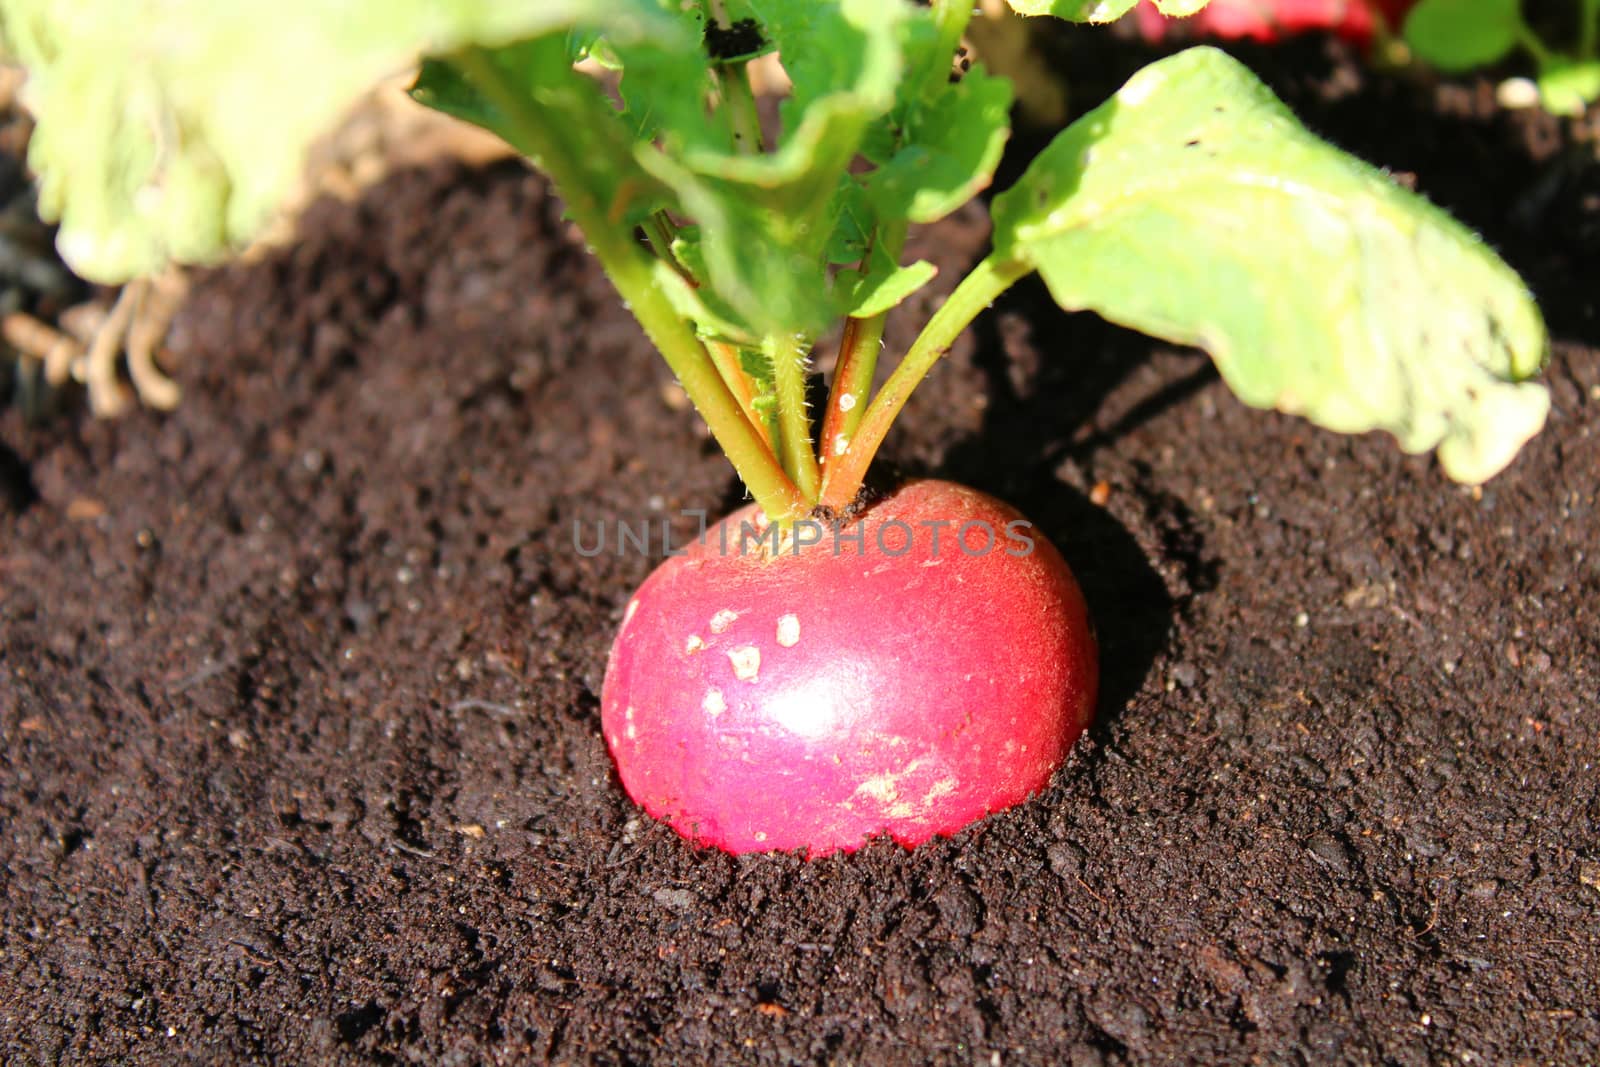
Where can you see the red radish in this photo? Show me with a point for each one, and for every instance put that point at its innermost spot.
(1270, 20)
(887, 679)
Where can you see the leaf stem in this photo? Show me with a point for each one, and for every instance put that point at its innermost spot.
(794, 426)
(976, 292)
(658, 231)
(863, 337)
(950, 17)
(733, 83)
(852, 384)
(631, 273)
(1590, 28)
(726, 358)
(1534, 46)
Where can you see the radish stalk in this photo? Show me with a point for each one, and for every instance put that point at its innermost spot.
(630, 273)
(976, 292)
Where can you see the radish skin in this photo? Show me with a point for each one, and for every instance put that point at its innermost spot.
(817, 697)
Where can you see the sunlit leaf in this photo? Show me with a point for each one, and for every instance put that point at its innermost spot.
(1194, 207)
(874, 292)
(1462, 34)
(173, 128)
(1101, 10)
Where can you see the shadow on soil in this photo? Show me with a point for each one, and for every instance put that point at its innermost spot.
(17, 491)
(1028, 452)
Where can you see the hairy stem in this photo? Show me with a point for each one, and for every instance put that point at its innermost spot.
(794, 425)
(976, 292)
(630, 271)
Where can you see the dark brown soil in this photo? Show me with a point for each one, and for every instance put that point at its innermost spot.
(301, 754)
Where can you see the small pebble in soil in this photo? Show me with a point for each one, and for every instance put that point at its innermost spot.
(1330, 852)
(1065, 860)
(1517, 93)
(1589, 874)
(681, 899)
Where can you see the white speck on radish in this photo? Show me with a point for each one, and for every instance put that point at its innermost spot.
(789, 631)
(694, 644)
(713, 704)
(722, 620)
(883, 788)
(630, 731)
(627, 616)
(847, 401)
(746, 660)
(841, 444)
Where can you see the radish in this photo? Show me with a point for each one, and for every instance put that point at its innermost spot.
(903, 675)
(1357, 21)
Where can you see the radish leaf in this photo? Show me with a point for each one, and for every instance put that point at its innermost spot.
(171, 129)
(877, 292)
(1456, 35)
(1194, 207)
(602, 144)
(1101, 10)
(950, 146)
(1567, 87)
(767, 221)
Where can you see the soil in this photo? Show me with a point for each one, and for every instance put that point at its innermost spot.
(301, 751)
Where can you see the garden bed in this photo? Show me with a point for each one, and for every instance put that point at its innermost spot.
(299, 699)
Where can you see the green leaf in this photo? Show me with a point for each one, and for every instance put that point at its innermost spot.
(1101, 10)
(1456, 35)
(691, 303)
(951, 145)
(756, 248)
(1568, 88)
(595, 136)
(756, 363)
(876, 292)
(768, 221)
(853, 222)
(839, 54)
(1194, 207)
(666, 87)
(764, 385)
(700, 304)
(173, 128)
